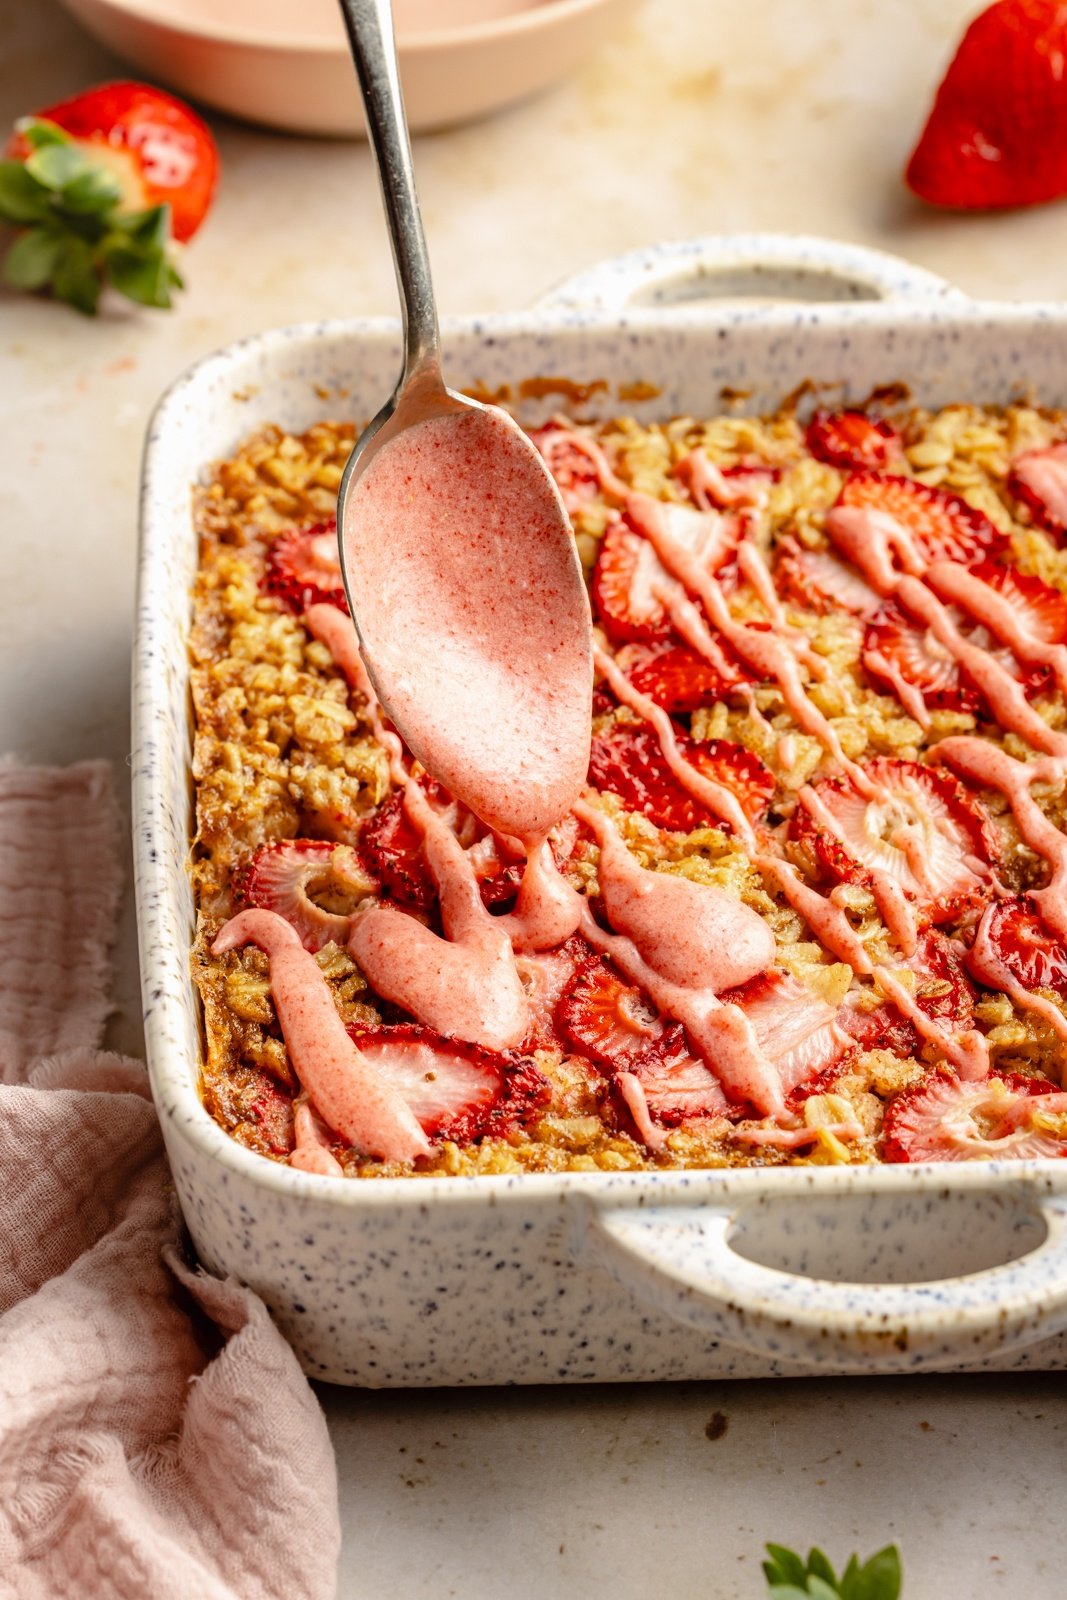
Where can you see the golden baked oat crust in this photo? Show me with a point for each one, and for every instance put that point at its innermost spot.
(284, 750)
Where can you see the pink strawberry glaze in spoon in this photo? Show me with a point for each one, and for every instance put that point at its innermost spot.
(460, 566)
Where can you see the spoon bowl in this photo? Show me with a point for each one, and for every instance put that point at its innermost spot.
(459, 561)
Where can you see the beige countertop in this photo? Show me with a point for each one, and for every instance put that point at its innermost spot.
(698, 118)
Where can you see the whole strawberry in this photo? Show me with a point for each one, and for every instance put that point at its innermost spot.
(997, 135)
(98, 186)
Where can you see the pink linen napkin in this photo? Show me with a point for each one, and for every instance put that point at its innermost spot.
(157, 1439)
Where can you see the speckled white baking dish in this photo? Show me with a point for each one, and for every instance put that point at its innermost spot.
(590, 1276)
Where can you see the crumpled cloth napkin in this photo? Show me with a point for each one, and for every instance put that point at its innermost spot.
(158, 1440)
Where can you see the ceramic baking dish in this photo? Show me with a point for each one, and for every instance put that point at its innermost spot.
(581, 1277)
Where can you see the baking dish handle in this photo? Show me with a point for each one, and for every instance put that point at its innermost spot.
(682, 1260)
(784, 266)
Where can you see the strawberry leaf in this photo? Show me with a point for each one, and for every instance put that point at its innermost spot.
(38, 132)
(76, 279)
(93, 189)
(32, 259)
(22, 198)
(879, 1579)
(785, 1566)
(789, 1577)
(145, 278)
(56, 165)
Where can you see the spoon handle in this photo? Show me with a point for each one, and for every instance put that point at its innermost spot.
(371, 39)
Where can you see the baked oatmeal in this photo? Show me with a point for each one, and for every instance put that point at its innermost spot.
(831, 655)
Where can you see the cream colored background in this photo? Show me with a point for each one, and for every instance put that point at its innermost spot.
(775, 114)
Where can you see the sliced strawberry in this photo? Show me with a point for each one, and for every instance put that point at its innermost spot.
(283, 876)
(679, 680)
(628, 761)
(944, 1119)
(1042, 609)
(943, 991)
(303, 568)
(897, 649)
(678, 1086)
(574, 470)
(544, 978)
(997, 134)
(817, 581)
(944, 527)
(604, 1018)
(269, 1108)
(795, 1028)
(923, 829)
(627, 569)
(852, 440)
(392, 848)
(1019, 936)
(457, 1091)
(1039, 479)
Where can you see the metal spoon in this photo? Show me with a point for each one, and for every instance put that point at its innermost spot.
(466, 591)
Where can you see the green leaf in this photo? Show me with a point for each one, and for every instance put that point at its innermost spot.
(785, 1566)
(786, 1591)
(94, 189)
(22, 198)
(150, 227)
(146, 279)
(76, 278)
(819, 1567)
(38, 131)
(56, 165)
(880, 1578)
(819, 1589)
(32, 259)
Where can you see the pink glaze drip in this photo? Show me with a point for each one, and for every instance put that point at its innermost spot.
(465, 985)
(337, 632)
(871, 540)
(683, 943)
(893, 904)
(1044, 473)
(827, 922)
(312, 1153)
(797, 1138)
(342, 1085)
(719, 800)
(692, 934)
(996, 612)
(757, 647)
(547, 910)
(1005, 695)
(472, 615)
(710, 487)
(721, 1034)
(967, 1051)
(633, 1093)
(991, 768)
(990, 970)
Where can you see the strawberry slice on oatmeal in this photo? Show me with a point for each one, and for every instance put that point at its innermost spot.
(303, 568)
(852, 440)
(283, 877)
(1007, 1117)
(918, 827)
(1039, 479)
(627, 761)
(457, 1091)
(943, 526)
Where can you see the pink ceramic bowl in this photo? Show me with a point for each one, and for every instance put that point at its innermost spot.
(285, 63)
